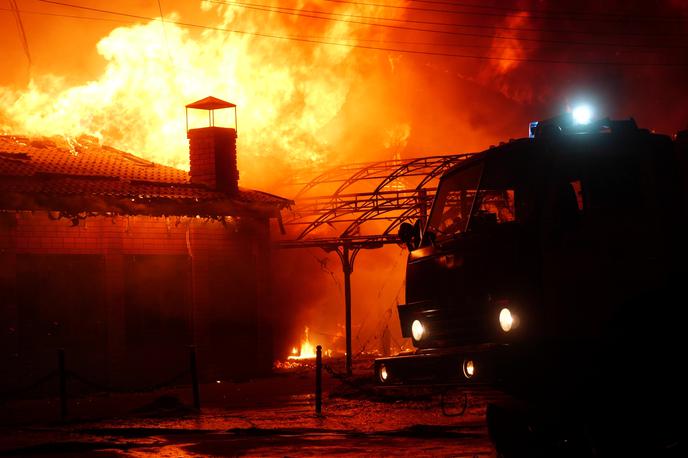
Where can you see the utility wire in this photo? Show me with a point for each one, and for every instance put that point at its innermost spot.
(435, 44)
(638, 49)
(594, 15)
(73, 16)
(399, 50)
(20, 28)
(454, 24)
(164, 34)
(294, 12)
(621, 17)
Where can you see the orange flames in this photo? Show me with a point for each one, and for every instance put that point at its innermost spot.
(307, 350)
(289, 94)
(303, 355)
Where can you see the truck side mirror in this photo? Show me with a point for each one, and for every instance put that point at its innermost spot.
(410, 235)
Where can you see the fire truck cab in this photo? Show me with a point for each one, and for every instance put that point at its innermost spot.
(553, 268)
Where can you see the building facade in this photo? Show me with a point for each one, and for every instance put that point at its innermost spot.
(124, 264)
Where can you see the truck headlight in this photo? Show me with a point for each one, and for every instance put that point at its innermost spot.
(382, 373)
(417, 330)
(468, 368)
(506, 320)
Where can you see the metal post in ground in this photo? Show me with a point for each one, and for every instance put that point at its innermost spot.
(318, 380)
(194, 377)
(63, 382)
(347, 268)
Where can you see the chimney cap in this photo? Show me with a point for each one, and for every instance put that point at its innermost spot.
(210, 103)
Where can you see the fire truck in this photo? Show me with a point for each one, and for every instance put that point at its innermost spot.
(553, 269)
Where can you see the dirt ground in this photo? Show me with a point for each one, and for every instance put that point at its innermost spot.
(271, 416)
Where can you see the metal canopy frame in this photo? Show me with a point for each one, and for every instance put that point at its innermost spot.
(394, 191)
(397, 190)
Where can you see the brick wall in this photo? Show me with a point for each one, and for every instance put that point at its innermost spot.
(227, 283)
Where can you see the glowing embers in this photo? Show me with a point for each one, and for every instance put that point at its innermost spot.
(468, 367)
(417, 330)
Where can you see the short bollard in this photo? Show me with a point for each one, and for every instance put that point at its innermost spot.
(318, 380)
(194, 378)
(62, 373)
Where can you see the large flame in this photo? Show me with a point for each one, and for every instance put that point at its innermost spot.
(307, 350)
(288, 92)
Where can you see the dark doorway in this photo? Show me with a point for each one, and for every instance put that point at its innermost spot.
(61, 304)
(158, 314)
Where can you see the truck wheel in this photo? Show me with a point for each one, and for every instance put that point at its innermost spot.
(518, 432)
(510, 433)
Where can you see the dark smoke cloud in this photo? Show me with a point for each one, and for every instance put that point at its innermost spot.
(655, 95)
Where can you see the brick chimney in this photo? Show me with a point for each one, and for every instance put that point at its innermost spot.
(212, 149)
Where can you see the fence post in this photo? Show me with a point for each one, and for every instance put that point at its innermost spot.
(194, 377)
(318, 380)
(63, 382)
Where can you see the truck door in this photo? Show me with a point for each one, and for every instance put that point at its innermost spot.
(593, 229)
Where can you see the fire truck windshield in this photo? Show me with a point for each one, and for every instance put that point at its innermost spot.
(472, 199)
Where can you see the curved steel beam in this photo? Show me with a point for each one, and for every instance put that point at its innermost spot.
(375, 205)
(376, 211)
(361, 174)
(443, 167)
(406, 215)
(327, 176)
(369, 206)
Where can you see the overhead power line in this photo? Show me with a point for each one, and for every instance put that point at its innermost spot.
(435, 44)
(450, 24)
(294, 12)
(20, 29)
(535, 14)
(595, 16)
(73, 16)
(164, 33)
(359, 46)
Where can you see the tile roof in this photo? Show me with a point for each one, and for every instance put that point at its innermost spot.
(49, 172)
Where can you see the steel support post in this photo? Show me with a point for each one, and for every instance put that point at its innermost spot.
(347, 269)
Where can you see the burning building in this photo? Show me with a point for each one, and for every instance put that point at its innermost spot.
(124, 263)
